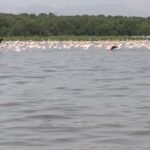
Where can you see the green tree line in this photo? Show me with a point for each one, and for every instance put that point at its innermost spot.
(50, 25)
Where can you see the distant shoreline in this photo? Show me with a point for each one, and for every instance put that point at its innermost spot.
(75, 38)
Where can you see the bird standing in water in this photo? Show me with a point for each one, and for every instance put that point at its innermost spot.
(1, 40)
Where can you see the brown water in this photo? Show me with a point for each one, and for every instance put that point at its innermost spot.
(75, 100)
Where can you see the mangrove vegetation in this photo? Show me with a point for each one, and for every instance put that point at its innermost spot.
(52, 25)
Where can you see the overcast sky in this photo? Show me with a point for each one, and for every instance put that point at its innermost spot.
(101, 6)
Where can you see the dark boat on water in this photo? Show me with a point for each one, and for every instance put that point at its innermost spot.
(113, 47)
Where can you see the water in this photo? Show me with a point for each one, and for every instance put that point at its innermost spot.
(75, 99)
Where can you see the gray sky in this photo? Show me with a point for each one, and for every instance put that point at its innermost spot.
(107, 7)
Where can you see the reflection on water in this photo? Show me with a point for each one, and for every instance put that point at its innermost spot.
(69, 100)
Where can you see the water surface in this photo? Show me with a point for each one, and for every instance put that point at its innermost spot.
(75, 99)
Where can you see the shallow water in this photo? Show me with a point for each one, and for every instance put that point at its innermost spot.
(75, 99)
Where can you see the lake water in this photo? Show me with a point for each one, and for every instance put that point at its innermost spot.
(75, 99)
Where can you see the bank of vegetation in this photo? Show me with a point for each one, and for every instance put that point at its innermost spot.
(73, 38)
(50, 26)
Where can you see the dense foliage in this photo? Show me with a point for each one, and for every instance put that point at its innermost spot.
(50, 24)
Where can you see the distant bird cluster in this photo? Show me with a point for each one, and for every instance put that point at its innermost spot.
(84, 45)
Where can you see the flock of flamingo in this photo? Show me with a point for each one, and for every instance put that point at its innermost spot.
(85, 45)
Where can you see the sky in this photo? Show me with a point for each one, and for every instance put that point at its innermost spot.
(78, 7)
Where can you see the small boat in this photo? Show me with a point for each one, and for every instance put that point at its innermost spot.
(113, 47)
